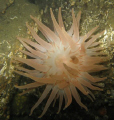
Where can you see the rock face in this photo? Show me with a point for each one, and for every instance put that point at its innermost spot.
(4, 4)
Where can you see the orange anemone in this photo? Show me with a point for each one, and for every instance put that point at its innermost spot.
(63, 63)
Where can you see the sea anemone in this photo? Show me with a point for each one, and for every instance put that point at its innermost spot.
(63, 63)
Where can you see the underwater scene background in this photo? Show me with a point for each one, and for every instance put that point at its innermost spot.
(13, 17)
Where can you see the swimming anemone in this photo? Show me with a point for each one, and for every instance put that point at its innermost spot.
(63, 63)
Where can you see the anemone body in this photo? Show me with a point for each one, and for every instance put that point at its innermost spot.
(63, 64)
